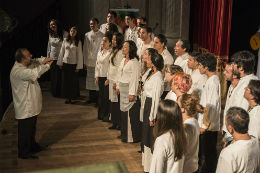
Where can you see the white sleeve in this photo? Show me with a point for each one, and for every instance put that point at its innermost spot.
(96, 69)
(119, 73)
(159, 158)
(224, 165)
(134, 78)
(49, 48)
(85, 50)
(156, 95)
(61, 55)
(79, 56)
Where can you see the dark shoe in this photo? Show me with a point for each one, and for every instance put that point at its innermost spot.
(139, 151)
(118, 128)
(29, 156)
(123, 140)
(68, 102)
(105, 120)
(38, 149)
(113, 127)
(119, 137)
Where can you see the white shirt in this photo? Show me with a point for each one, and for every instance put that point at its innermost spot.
(254, 122)
(91, 47)
(241, 156)
(239, 100)
(171, 96)
(153, 88)
(131, 34)
(129, 73)
(167, 57)
(71, 54)
(198, 81)
(54, 46)
(27, 96)
(211, 96)
(142, 47)
(182, 61)
(102, 63)
(163, 156)
(192, 155)
(113, 69)
(104, 25)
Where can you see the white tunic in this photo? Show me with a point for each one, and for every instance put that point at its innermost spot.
(167, 57)
(171, 96)
(129, 73)
(238, 92)
(198, 81)
(91, 47)
(211, 96)
(71, 54)
(182, 61)
(163, 156)
(241, 156)
(104, 25)
(113, 69)
(27, 96)
(153, 88)
(102, 63)
(54, 46)
(131, 34)
(254, 122)
(192, 156)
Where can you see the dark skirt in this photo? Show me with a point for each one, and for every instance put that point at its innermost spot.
(115, 112)
(70, 81)
(147, 130)
(103, 100)
(55, 79)
(130, 124)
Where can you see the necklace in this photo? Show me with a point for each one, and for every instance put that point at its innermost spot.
(251, 108)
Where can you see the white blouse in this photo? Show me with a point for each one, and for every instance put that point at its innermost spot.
(129, 73)
(171, 96)
(54, 46)
(254, 122)
(91, 47)
(211, 96)
(27, 96)
(102, 63)
(198, 81)
(167, 57)
(71, 54)
(163, 156)
(240, 156)
(153, 88)
(192, 130)
(182, 61)
(131, 34)
(113, 69)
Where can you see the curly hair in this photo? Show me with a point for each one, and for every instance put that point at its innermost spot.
(182, 81)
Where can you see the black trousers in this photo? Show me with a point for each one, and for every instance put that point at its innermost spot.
(208, 151)
(115, 112)
(55, 79)
(93, 96)
(26, 136)
(103, 99)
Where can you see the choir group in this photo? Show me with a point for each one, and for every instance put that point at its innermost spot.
(172, 108)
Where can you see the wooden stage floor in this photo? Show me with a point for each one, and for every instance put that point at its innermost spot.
(74, 135)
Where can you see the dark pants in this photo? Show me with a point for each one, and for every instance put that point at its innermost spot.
(55, 79)
(208, 152)
(26, 136)
(103, 99)
(115, 113)
(93, 96)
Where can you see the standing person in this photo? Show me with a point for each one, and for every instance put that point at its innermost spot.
(101, 71)
(114, 63)
(131, 31)
(252, 94)
(190, 107)
(90, 50)
(243, 154)
(160, 43)
(71, 61)
(56, 35)
(141, 21)
(153, 88)
(209, 122)
(170, 139)
(112, 28)
(258, 64)
(127, 85)
(181, 49)
(111, 18)
(198, 80)
(27, 98)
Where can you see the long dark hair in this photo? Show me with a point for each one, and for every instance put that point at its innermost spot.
(156, 59)
(132, 49)
(76, 37)
(59, 29)
(119, 44)
(169, 119)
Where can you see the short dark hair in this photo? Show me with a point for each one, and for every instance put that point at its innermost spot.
(131, 15)
(162, 38)
(94, 19)
(174, 69)
(113, 13)
(244, 59)
(195, 54)
(19, 54)
(238, 118)
(147, 28)
(185, 45)
(254, 86)
(142, 18)
(208, 60)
